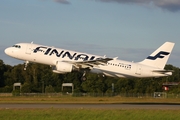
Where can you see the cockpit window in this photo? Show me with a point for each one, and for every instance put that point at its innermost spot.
(16, 46)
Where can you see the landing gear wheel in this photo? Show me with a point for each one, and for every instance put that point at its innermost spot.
(83, 78)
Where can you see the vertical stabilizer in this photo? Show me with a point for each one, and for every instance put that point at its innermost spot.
(159, 57)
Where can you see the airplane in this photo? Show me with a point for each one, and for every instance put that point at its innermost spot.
(65, 61)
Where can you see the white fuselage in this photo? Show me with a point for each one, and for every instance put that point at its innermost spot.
(50, 55)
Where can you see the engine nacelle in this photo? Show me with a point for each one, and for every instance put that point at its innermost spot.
(55, 71)
(63, 67)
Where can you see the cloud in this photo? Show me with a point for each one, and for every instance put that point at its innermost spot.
(170, 5)
(62, 1)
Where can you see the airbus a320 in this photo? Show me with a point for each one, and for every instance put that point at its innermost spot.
(65, 61)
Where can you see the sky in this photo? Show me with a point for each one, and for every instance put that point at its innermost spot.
(128, 29)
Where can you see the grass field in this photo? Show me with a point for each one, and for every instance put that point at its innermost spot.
(70, 99)
(87, 114)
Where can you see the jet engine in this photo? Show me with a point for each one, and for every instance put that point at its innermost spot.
(63, 67)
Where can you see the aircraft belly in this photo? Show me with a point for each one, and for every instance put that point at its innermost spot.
(114, 72)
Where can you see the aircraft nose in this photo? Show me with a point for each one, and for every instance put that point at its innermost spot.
(7, 51)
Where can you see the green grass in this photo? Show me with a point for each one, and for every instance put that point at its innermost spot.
(88, 114)
(71, 99)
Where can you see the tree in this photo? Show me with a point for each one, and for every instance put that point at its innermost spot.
(49, 89)
(38, 76)
(26, 88)
(3, 69)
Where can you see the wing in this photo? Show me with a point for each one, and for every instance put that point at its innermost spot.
(91, 63)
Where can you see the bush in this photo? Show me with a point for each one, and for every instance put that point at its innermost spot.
(16, 92)
(49, 89)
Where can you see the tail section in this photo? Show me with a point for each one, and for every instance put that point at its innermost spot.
(159, 57)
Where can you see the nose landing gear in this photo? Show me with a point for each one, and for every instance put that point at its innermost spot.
(26, 64)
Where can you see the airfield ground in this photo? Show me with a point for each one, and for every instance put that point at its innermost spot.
(71, 99)
(81, 113)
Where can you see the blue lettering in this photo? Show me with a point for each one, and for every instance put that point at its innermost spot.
(38, 49)
(56, 52)
(92, 58)
(69, 55)
(48, 50)
(79, 57)
(63, 54)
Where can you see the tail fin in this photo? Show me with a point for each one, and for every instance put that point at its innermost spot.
(159, 57)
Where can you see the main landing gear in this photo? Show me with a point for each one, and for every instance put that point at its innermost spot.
(83, 78)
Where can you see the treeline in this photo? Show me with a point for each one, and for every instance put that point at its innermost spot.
(38, 78)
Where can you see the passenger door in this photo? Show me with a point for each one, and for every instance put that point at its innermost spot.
(29, 49)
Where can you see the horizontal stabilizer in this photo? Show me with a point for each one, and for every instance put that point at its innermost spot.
(163, 71)
(166, 72)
